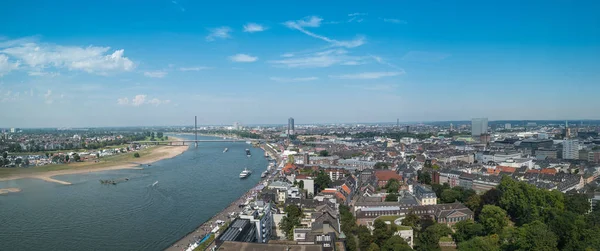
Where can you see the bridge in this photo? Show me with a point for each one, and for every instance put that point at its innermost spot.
(183, 142)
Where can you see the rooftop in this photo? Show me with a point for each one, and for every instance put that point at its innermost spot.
(247, 246)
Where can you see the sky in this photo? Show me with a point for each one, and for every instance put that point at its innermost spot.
(91, 63)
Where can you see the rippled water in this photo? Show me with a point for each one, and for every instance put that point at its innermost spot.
(133, 215)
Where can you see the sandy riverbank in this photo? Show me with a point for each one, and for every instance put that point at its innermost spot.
(9, 190)
(150, 155)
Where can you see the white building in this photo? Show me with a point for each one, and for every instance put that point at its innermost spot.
(507, 126)
(259, 213)
(571, 149)
(479, 126)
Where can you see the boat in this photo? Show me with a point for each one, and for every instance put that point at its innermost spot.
(154, 184)
(266, 155)
(248, 152)
(245, 173)
(226, 149)
(264, 174)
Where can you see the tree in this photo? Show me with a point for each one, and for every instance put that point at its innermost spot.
(410, 220)
(577, 203)
(493, 219)
(18, 161)
(76, 157)
(438, 189)
(381, 233)
(301, 184)
(381, 165)
(424, 177)
(533, 236)
(391, 197)
(5, 155)
(322, 181)
(474, 203)
(395, 243)
(159, 135)
(136, 155)
(373, 247)
(429, 239)
(290, 220)
(98, 155)
(26, 162)
(488, 243)
(351, 242)
(323, 153)
(67, 158)
(392, 186)
(364, 236)
(466, 230)
(450, 196)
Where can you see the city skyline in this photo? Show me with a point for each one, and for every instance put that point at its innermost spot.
(338, 63)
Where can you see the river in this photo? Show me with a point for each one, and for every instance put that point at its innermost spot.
(133, 215)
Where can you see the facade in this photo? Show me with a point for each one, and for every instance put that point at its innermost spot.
(259, 215)
(594, 157)
(570, 149)
(479, 126)
(424, 195)
(240, 230)
(507, 126)
(290, 129)
(383, 176)
(542, 154)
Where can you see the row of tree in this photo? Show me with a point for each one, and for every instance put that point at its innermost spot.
(293, 215)
(382, 238)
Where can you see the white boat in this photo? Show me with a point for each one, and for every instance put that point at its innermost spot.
(226, 149)
(245, 173)
(154, 184)
(264, 174)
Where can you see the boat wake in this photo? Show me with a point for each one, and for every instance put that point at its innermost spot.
(154, 184)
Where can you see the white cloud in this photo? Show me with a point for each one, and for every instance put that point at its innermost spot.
(92, 59)
(316, 22)
(196, 68)
(287, 55)
(243, 58)
(138, 100)
(123, 101)
(48, 97)
(5, 66)
(43, 74)
(357, 14)
(394, 21)
(368, 75)
(155, 74)
(289, 80)
(354, 16)
(319, 59)
(254, 27)
(141, 99)
(219, 32)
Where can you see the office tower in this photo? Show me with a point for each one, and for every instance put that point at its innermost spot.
(290, 129)
(507, 126)
(479, 126)
(571, 149)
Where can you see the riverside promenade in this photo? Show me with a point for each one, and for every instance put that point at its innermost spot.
(224, 215)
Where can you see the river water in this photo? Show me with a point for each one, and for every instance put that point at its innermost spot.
(133, 215)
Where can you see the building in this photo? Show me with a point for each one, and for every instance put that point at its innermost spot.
(290, 129)
(13, 130)
(245, 246)
(424, 195)
(593, 157)
(570, 149)
(259, 214)
(479, 126)
(543, 153)
(309, 183)
(240, 230)
(384, 176)
(507, 126)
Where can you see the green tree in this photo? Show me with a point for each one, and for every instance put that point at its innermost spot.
(410, 220)
(474, 203)
(67, 158)
(26, 162)
(450, 196)
(424, 177)
(429, 239)
(159, 135)
(392, 186)
(466, 230)
(391, 197)
(301, 184)
(493, 219)
(322, 181)
(381, 233)
(136, 155)
(395, 243)
(351, 242)
(364, 236)
(534, 236)
(5, 155)
(76, 157)
(290, 220)
(381, 165)
(373, 247)
(323, 153)
(98, 156)
(18, 161)
(577, 203)
(487, 243)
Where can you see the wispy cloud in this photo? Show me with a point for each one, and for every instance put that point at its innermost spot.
(155, 74)
(380, 60)
(290, 80)
(424, 56)
(43, 74)
(6, 66)
(196, 68)
(375, 87)
(254, 27)
(141, 99)
(222, 32)
(178, 5)
(319, 59)
(394, 21)
(367, 75)
(37, 56)
(243, 58)
(356, 17)
(315, 21)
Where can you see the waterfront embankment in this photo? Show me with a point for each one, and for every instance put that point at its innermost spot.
(122, 161)
(224, 215)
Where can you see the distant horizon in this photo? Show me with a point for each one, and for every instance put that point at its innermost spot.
(559, 121)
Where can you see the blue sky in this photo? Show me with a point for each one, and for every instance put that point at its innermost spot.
(118, 63)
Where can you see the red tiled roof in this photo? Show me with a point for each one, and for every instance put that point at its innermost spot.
(533, 171)
(385, 175)
(340, 196)
(506, 169)
(301, 176)
(346, 189)
(548, 171)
